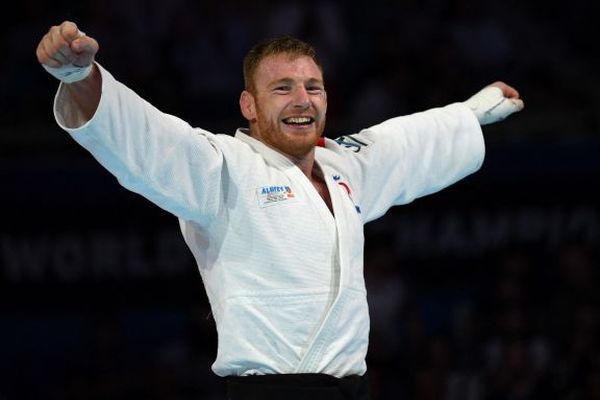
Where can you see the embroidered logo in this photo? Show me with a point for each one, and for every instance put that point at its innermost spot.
(276, 194)
(346, 187)
(352, 143)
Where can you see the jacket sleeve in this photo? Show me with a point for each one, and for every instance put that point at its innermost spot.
(154, 154)
(411, 156)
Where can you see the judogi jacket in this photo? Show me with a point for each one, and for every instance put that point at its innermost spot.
(284, 276)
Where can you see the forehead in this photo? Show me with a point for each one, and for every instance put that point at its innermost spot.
(286, 66)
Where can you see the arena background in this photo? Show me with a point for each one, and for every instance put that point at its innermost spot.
(487, 290)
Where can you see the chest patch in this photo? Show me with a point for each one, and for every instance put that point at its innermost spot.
(272, 195)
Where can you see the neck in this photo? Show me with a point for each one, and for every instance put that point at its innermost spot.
(305, 163)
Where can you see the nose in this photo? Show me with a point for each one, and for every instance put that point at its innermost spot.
(301, 98)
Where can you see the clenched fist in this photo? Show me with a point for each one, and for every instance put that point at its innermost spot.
(66, 52)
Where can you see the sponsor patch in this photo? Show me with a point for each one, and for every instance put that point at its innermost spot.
(277, 194)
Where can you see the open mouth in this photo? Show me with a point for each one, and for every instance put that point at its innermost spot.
(298, 121)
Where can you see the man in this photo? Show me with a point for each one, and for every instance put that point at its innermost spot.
(273, 216)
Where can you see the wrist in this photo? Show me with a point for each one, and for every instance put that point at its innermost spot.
(70, 73)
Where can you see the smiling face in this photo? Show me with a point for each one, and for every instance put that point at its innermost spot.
(286, 104)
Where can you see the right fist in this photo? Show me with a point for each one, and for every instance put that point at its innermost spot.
(65, 44)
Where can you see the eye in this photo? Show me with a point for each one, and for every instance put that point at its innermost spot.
(314, 89)
(282, 89)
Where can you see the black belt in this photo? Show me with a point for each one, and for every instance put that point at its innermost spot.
(297, 387)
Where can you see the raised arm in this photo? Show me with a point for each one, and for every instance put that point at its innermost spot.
(411, 156)
(150, 152)
(68, 54)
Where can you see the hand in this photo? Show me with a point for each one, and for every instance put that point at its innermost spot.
(67, 53)
(495, 102)
(66, 44)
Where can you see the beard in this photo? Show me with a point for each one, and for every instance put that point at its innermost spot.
(297, 145)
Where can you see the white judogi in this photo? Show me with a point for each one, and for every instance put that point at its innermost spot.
(283, 275)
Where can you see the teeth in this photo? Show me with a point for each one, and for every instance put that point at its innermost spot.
(298, 120)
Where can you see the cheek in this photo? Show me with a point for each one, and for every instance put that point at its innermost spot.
(321, 105)
(270, 110)
(323, 112)
(267, 117)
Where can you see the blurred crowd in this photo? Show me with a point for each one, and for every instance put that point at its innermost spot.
(381, 58)
(516, 323)
(520, 324)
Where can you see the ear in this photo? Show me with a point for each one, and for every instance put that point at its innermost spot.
(248, 106)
